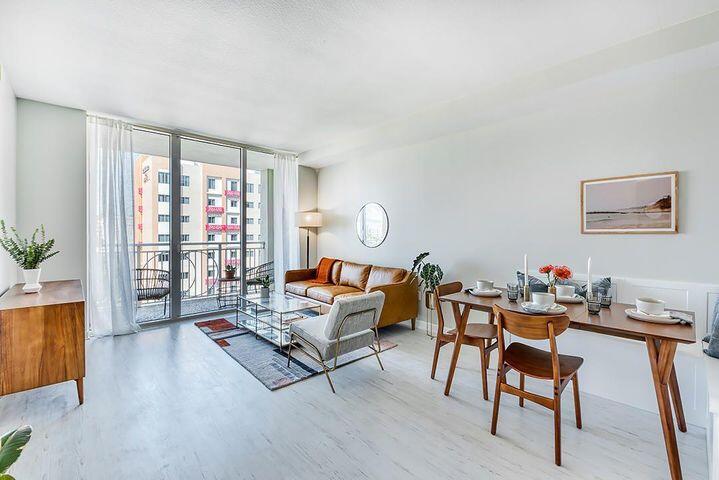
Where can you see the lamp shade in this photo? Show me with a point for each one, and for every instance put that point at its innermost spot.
(308, 219)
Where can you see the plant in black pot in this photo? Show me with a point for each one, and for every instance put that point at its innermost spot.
(430, 276)
(230, 271)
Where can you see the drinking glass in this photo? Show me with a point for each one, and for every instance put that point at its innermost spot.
(594, 306)
(605, 299)
(512, 292)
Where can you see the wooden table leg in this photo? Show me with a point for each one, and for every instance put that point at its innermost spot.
(460, 320)
(661, 360)
(80, 390)
(677, 401)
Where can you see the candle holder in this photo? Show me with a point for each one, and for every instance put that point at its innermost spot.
(512, 292)
(527, 293)
(594, 306)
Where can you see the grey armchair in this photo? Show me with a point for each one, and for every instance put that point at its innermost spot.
(350, 325)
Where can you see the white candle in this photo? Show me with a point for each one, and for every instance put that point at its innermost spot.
(589, 278)
(526, 273)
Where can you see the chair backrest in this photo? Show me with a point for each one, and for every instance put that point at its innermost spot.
(146, 278)
(531, 327)
(440, 290)
(354, 314)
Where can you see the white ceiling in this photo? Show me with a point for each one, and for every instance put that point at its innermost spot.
(300, 75)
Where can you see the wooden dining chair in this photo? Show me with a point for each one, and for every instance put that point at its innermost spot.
(476, 334)
(526, 360)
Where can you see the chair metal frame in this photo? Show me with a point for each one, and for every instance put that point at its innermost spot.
(306, 346)
(155, 276)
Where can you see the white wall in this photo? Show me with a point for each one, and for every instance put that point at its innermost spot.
(479, 199)
(7, 172)
(307, 180)
(51, 182)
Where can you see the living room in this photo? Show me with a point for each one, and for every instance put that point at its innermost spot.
(350, 240)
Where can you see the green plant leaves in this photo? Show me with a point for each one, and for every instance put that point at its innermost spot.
(27, 254)
(11, 445)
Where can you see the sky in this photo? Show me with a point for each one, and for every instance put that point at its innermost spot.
(627, 193)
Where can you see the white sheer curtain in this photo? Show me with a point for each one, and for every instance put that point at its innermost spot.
(111, 295)
(287, 242)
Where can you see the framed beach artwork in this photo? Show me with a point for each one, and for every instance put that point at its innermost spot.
(632, 204)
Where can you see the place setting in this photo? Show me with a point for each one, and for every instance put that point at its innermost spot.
(484, 288)
(653, 310)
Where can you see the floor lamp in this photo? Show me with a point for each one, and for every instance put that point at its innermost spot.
(308, 220)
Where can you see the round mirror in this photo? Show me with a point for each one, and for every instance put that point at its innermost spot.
(372, 225)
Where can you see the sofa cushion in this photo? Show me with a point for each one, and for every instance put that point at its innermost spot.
(336, 269)
(384, 276)
(300, 287)
(354, 275)
(327, 293)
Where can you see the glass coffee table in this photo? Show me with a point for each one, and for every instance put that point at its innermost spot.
(270, 317)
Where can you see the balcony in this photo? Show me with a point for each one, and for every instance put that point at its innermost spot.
(202, 265)
(233, 193)
(233, 227)
(214, 209)
(214, 227)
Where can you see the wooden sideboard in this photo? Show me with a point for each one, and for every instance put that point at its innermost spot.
(42, 337)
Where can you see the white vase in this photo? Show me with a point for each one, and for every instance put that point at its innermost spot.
(32, 280)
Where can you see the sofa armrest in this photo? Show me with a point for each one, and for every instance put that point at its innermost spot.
(303, 274)
(400, 302)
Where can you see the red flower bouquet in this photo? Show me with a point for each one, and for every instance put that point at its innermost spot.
(556, 272)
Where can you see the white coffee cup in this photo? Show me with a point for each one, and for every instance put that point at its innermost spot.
(484, 285)
(565, 291)
(652, 306)
(543, 299)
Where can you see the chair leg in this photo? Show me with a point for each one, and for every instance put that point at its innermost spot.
(483, 365)
(327, 374)
(577, 408)
(414, 323)
(557, 428)
(289, 352)
(497, 394)
(521, 387)
(437, 345)
(376, 354)
(164, 310)
(379, 347)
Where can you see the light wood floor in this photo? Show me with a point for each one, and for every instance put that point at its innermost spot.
(168, 404)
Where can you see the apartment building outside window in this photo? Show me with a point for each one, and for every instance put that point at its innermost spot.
(163, 218)
(163, 198)
(185, 237)
(232, 185)
(250, 221)
(233, 203)
(185, 180)
(185, 219)
(163, 238)
(211, 183)
(233, 237)
(250, 204)
(210, 237)
(163, 177)
(250, 188)
(211, 201)
(184, 200)
(211, 219)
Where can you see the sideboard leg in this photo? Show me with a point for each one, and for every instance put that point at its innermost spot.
(80, 390)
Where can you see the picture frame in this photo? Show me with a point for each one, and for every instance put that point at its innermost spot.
(632, 204)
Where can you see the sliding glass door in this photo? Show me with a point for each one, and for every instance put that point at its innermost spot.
(203, 221)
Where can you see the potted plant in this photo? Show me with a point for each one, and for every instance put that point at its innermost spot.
(230, 271)
(11, 445)
(28, 254)
(265, 283)
(553, 273)
(430, 276)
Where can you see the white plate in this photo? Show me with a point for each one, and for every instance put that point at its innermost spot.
(575, 299)
(485, 293)
(645, 317)
(555, 309)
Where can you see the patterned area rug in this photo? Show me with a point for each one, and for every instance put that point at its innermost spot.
(265, 361)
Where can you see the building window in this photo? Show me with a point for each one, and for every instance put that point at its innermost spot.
(210, 274)
(250, 221)
(163, 177)
(232, 185)
(233, 220)
(163, 198)
(185, 180)
(211, 220)
(233, 237)
(211, 183)
(185, 219)
(162, 238)
(233, 203)
(185, 200)
(163, 257)
(250, 188)
(211, 255)
(250, 237)
(259, 220)
(163, 218)
(233, 253)
(211, 201)
(250, 204)
(185, 275)
(185, 237)
(210, 237)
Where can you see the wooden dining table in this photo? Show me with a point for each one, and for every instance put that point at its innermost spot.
(661, 341)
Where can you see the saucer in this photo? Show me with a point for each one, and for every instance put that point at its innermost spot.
(575, 299)
(554, 309)
(485, 293)
(645, 317)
